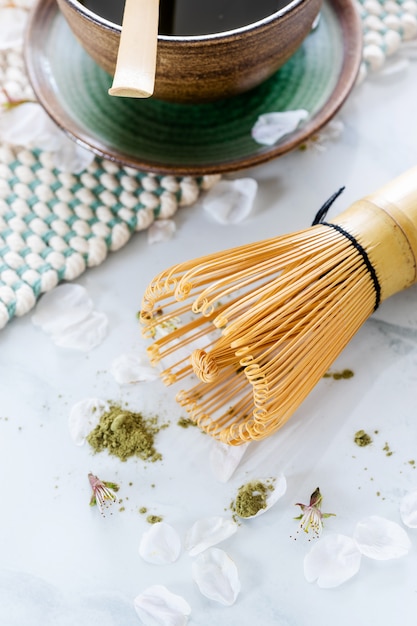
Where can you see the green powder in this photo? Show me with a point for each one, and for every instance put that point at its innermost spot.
(362, 438)
(154, 519)
(124, 434)
(344, 374)
(387, 450)
(185, 422)
(251, 498)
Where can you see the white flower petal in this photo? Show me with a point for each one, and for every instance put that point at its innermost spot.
(66, 313)
(132, 368)
(207, 532)
(408, 509)
(161, 230)
(157, 606)
(381, 539)
(276, 489)
(332, 560)
(85, 335)
(231, 201)
(84, 417)
(331, 132)
(61, 308)
(271, 127)
(69, 156)
(160, 544)
(27, 124)
(224, 459)
(12, 27)
(216, 576)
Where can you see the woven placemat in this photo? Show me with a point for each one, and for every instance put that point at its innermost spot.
(54, 225)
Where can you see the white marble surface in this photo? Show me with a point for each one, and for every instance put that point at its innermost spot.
(61, 564)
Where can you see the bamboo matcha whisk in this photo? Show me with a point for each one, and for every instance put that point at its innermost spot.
(250, 331)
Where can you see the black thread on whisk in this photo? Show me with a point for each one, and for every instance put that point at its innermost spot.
(365, 258)
(321, 214)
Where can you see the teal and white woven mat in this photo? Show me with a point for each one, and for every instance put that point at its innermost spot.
(54, 225)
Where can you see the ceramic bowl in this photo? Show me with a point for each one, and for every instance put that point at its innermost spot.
(201, 68)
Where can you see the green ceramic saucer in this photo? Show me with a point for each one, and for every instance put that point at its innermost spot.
(160, 137)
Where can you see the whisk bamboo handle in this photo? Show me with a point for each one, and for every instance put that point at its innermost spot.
(385, 225)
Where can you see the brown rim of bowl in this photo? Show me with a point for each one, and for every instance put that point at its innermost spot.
(101, 21)
(351, 25)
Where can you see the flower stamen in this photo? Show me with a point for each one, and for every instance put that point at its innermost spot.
(312, 517)
(11, 103)
(103, 493)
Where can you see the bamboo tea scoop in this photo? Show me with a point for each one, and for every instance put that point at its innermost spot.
(134, 76)
(250, 331)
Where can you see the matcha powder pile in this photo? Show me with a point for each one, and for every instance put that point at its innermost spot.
(125, 434)
(251, 498)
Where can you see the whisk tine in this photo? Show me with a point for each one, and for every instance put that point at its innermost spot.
(179, 280)
(261, 324)
(297, 300)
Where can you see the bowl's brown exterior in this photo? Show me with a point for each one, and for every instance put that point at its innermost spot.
(205, 68)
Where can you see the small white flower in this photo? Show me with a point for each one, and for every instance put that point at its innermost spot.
(311, 516)
(103, 493)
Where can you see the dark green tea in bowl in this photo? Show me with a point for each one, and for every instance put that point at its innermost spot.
(190, 17)
(207, 49)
